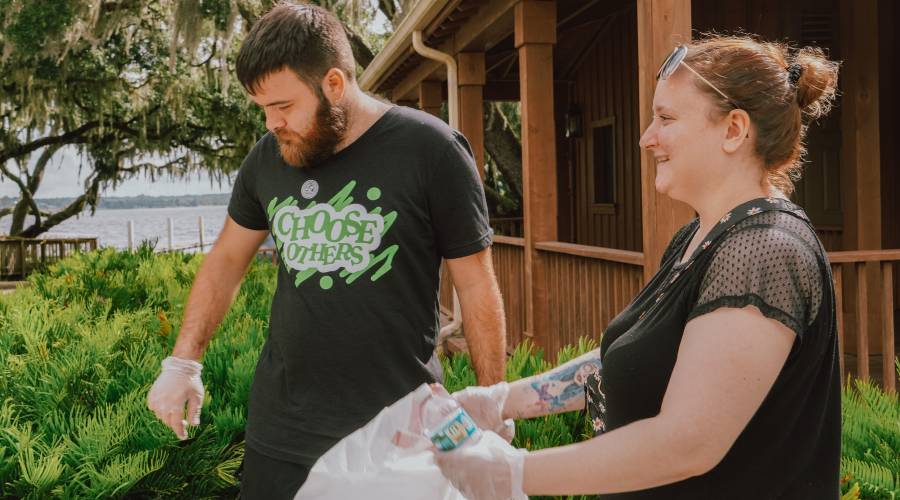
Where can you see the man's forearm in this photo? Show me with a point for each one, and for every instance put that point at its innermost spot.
(484, 326)
(212, 293)
(558, 390)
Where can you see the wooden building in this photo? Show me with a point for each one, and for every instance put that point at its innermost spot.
(594, 227)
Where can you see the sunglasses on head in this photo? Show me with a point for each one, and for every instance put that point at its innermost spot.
(676, 59)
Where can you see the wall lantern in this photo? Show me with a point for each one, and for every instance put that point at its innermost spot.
(573, 122)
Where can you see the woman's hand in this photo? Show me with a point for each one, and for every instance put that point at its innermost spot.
(485, 406)
(490, 469)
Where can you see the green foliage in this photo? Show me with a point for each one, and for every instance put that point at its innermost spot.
(870, 461)
(79, 349)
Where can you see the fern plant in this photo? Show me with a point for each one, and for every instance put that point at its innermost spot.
(80, 347)
(870, 461)
(78, 352)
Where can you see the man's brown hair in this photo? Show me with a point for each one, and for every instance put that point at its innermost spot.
(304, 38)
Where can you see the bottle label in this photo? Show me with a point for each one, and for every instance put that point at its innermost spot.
(454, 431)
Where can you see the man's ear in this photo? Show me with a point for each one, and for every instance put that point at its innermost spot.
(737, 130)
(334, 85)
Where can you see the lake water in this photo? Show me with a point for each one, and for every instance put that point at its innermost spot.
(111, 226)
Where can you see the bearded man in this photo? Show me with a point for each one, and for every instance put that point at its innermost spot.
(363, 200)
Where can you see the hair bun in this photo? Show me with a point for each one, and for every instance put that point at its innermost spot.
(816, 81)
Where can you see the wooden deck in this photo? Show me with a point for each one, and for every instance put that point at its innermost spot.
(21, 256)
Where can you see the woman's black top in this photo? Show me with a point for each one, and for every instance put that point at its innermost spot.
(763, 253)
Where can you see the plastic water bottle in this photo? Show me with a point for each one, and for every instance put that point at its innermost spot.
(447, 424)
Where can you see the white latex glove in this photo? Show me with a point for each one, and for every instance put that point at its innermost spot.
(488, 470)
(485, 406)
(178, 384)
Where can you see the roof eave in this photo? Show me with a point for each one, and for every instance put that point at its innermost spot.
(423, 13)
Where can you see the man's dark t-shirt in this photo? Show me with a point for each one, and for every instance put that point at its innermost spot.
(360, 238)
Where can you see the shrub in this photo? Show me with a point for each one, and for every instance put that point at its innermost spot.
(80, 347)
(79, 350)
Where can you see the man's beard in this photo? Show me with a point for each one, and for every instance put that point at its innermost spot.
(320, 142)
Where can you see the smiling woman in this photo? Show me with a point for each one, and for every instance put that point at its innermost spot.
(724, 367)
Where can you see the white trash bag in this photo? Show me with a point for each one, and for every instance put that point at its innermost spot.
(378, 462)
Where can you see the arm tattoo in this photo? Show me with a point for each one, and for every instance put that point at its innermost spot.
(556, 388)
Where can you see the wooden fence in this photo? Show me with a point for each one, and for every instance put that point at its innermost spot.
(590, 285)
(856, 269)
(21, 256)
(509, 265)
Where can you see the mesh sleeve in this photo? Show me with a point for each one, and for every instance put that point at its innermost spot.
(767, 267)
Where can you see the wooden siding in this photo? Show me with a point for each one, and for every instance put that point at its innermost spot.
(831, 236)
(802, 22)
(586, 293)
(508, 257)
(889, 51)
(606, 88)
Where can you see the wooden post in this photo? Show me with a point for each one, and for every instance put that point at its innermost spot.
(889, 375)
(837, 272)
(535, 36)
(661, 24)
(861, 151)
(131, 235)
(170, 225)
(22, 257)
(862, 323)
(202, 230)
(471, 102)
(431, 97)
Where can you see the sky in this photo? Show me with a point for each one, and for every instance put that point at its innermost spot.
(62, 180)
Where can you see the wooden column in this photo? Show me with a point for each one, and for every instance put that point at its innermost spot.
(661, 24)
(431, 97)
(471, 102)
(861, 161)
(535, 35)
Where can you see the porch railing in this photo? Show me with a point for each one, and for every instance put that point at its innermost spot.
(588, 286)
(509, 265)
(508, 259)
(20, 256)
(508, 226)
(858, 268)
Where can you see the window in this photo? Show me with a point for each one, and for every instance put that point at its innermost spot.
(603, 162)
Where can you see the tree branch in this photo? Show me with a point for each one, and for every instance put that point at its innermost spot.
(361, 52)
(72, 137)
(388, 8)
(89, 197)
(26, 196)
(505, 150)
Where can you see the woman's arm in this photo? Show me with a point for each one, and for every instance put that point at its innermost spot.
(558, 390)
(727, 362)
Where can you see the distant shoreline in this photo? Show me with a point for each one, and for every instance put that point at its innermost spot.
(126, 202)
